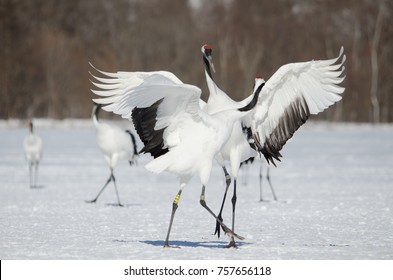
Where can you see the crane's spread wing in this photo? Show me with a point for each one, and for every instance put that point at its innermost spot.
(294, 92)
(121, 80)
(156, 102)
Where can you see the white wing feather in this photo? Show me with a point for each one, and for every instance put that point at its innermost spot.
(162, 92)
(123, 91)
(294, 92)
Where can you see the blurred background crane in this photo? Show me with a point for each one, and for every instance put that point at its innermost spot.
(33, 146)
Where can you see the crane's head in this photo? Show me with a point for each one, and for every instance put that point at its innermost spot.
(259, 83)
(206, 49)
(207, 56)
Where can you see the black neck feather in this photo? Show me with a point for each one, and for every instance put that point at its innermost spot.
(207, 66)
(254, 100)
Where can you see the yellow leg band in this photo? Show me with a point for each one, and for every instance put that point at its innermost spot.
(177, 198)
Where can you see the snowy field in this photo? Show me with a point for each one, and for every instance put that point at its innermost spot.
(334, 184)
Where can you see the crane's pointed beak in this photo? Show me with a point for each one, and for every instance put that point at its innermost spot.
(209, 58)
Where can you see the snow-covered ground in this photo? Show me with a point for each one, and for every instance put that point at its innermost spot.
(335, 186)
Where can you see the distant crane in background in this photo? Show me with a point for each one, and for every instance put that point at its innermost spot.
(257, 160)
(33, 150)
(116, 144)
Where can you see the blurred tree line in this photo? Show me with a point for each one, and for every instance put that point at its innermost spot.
(46, 47)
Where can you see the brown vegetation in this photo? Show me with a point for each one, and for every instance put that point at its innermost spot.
(46, 47)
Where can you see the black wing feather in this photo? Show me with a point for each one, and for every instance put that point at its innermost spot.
(294, 116)
(144, 120)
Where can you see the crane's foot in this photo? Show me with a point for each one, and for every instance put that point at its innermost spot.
(91, 201)
(115, 204)
(172, 246)
(232, 244)
(268, 200)
(166, 245)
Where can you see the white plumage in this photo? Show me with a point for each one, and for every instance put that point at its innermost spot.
(170, 120)
(116, 144)
(33, 145)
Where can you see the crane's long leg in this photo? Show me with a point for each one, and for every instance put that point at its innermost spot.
(175, 205)
(260, 183)
(245, 174)
(103, 188)
(35, 174)
(117, 193)
(232, 242)
(224, 227)
(31, 174)
(228, 183)
(270, 184)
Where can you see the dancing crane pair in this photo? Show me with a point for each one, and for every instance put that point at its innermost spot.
(185, 134)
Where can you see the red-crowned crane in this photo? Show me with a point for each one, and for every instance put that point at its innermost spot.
(290, 96)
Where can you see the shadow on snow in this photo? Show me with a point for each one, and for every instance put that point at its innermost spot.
(193, 244)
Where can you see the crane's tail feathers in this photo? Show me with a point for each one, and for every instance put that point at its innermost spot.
(159, 164)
